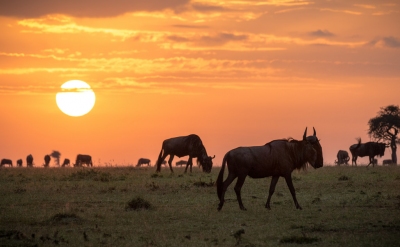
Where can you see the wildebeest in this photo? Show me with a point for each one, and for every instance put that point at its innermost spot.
(387, 162)
(143, 161)
(277, 158)
(29, 161)
(342, 157)
(19, 162)
(66, 163)
(6, 162)
(181, 163)
(185, 145)
(370, 149)
(46, 160)
(83, 159)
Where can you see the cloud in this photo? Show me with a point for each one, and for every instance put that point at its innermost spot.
(388, 42)
(84, 8)
(207, 8)
(321, 33)
(222, 38)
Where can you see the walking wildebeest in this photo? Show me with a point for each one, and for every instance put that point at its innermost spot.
(143, 161)
(66, 163)
(342, 157)
(19, 163)
(29, 161)
(181, 163)
(185, 145)
(46, 160)
(277, 158)
(370, 149)
(6, 162)
(83, 159)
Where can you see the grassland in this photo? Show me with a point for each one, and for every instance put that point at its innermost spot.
(342, 206)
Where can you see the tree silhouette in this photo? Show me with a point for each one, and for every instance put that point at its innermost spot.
(56, 156)
(385, 126)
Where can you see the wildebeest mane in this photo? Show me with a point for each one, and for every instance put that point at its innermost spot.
(296, 151)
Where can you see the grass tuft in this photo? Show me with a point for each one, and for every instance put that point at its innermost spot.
(138, 203)
(65, 218)
(299, 240)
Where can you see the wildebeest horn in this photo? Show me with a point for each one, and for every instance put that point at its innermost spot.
(213, 157)
(315, 133)
(305, 134)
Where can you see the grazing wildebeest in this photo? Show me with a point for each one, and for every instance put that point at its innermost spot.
(46, 160)
(83, 159)
(277, 158)
(29, 161)
(181, 163)
(342, 157)
(185, 145)
(370, 149)
(143, 161)
(387, 162)
(6, 162)
(19, 162)
(66, 163)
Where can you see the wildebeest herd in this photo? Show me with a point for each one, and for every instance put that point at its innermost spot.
(370, 149)
(80, 160)
(277, 158)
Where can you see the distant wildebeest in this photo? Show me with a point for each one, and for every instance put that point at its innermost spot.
(6, 162)
(370, 149)
(164, 163)
(277, 158)
(342, 157)
(143, 161)
(83, 159)
(19, 163)
(29, 161)
(185, 145)
(66, 163)
(387, 162)
(181, 163)
(46, 160)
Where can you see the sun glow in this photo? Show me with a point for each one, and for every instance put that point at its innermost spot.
(76, 98)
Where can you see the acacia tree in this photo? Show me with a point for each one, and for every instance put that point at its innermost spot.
(385, 126)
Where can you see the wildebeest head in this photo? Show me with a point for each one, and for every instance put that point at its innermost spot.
(381, 147)
(206, 162)
(313, 140)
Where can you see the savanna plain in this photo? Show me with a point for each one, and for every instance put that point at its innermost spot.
(129, 206)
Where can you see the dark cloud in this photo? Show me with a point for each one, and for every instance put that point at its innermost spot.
(222, 38)
(390, 42)
(84, 8)
(207, 8)
(321, 33)
(177, 38)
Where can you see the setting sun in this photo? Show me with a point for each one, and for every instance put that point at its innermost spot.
(76, 98)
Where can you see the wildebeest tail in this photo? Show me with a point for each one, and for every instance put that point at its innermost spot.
(220, 179)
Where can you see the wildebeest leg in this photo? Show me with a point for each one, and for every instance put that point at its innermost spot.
(225, 185)
(171, 157)
(238, 187)
(292, 191)
(274, 180)
(189, 163)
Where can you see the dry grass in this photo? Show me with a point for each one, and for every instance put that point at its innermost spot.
(342, 206)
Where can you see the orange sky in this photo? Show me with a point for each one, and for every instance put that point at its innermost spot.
(237, 73)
